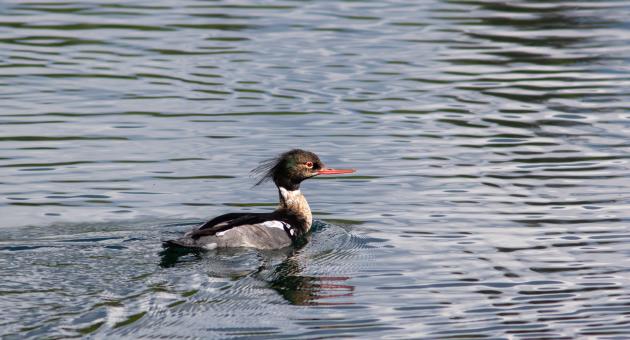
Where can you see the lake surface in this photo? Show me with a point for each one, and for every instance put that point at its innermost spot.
(491, 138)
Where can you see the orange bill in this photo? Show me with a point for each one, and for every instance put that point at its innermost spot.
(335, 171)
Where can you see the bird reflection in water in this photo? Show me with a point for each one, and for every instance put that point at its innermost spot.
(170, 257)
(285, 278)
(298, 289)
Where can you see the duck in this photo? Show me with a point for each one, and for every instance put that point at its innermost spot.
(280, 228)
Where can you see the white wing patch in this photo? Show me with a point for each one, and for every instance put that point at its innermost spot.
(210, 246)
(274, 224)
(268, 224)
(279, 225)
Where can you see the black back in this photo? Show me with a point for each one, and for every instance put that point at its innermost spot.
(233, 220)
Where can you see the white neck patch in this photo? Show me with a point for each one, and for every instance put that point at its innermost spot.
(290, 196)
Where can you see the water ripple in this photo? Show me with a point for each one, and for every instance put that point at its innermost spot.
(491, 139)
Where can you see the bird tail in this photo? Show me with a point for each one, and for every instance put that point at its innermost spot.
(181, 243)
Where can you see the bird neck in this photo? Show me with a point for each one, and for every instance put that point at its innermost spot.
(293, 202)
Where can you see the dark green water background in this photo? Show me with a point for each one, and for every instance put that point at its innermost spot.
(491, 137)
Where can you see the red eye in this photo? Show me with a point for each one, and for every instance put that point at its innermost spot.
(309, 164)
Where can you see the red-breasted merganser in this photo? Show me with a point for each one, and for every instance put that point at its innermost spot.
(273, 230)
